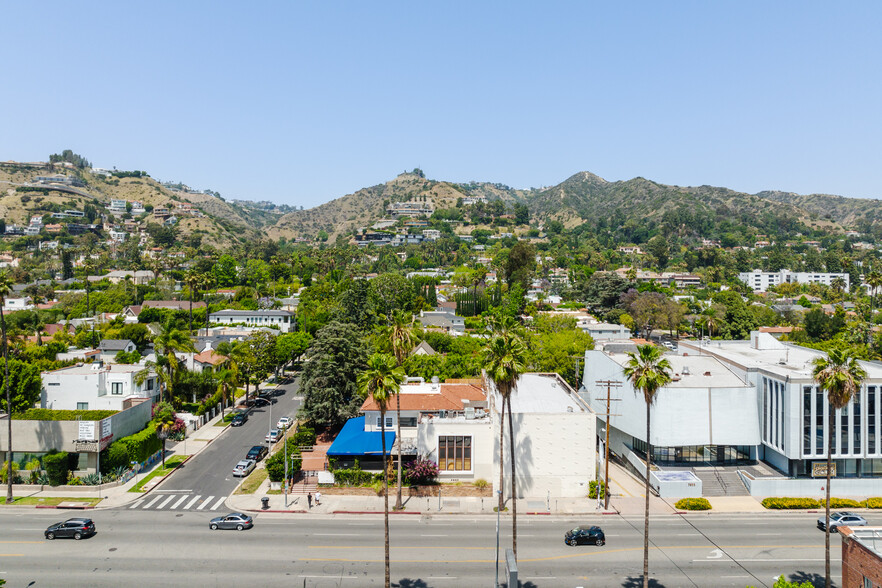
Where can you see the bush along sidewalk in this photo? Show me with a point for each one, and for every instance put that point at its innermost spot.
(790, 503)
(692, 504)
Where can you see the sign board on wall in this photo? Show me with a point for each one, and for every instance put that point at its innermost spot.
(87, 431)
(819, 469)
(105, 428)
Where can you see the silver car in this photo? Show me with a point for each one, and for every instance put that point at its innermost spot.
(842, 519)
(244, 467)
(234, 520)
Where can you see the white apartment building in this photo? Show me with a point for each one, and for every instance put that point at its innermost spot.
(457, 426)
(760, 281)
(95, 386)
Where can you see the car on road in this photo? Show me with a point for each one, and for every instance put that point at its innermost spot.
(239, 420)
(842, 519)
(592, 535)
(261, 402)
(273, 436)
(76, 528)
(284, 423)
(234, 520)
(257, 452)
(244, 467)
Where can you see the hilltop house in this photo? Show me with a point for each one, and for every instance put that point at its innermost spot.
(96, 386)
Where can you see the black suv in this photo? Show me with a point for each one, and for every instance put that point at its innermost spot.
(257, 453)
(76, 528)
(590, 535)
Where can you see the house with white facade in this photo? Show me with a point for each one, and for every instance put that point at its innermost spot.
(457, 425)
(760, 281)
(20, 303)
(283, 319)
(96, 386)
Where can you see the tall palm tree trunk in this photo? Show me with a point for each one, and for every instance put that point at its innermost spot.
(398, 505)
(831, 424)
(8, 406)
(191, 311)
(501, 455)
(385, 493)
(646, 505)
(514, 496)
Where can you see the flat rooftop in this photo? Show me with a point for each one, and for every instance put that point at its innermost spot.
(695, 371)
(91, 368)
(545, 393)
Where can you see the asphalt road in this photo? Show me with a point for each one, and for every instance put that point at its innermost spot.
(163, 548)
(209, 475)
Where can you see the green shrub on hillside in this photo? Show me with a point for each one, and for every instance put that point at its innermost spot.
(693, 504)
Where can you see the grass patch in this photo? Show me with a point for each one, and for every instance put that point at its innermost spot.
(222, 423)
(252, 482)
(52, 500)
(170, 465)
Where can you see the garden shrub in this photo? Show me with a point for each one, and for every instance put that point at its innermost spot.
(46, 414)
(137, 447)
(56, 468)
(355, 477)
(874, 502)
(838, 503)
(481, 483)
(592, 489)
(3, 478)
(693, 504)
(421, 471)
(778, 503)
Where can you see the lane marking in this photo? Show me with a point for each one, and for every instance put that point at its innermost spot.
(339, 535)
(205, 503)
(164, 502)
(219, 502)
(191, 503)
(768, 534)
(154, 501)
(11, 555)
(22, 542)
(434, 535)
(138, 503)
(178, 503)
(758, 559)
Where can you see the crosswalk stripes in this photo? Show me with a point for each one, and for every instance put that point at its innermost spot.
(179, 502)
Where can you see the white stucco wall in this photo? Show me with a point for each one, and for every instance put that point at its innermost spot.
(483, 446)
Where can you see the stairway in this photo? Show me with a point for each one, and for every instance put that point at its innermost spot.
(717, 481)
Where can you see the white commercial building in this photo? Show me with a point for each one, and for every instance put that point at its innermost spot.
(283, 319)
(457, 425)
(94, 386)
(760, 281)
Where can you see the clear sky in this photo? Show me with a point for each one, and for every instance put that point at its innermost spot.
(303, 102)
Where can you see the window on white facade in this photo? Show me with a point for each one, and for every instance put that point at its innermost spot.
(116, 388)
(455, 453)
(150, 384)
(82, 406)
(388, 422)
(408, 421)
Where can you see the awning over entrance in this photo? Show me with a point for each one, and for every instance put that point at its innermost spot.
(353, 440)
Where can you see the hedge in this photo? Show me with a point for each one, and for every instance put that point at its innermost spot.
(875, 502)
(46, 414)
(786, 503)
(838, 503)
(593, 485)
(137, 447)
(693, 504)
(355, 477)
(56, 465)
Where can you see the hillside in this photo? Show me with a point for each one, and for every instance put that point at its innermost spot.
(858, 213)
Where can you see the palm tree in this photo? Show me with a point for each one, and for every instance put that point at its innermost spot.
(380, 381)
(711, 321)
(193, 279)
(166, 344)
(648, 371)
(5, 289)
(838, 284)
(840, 375)
(402, 337)
(874, 281)
(163, 427)
(227, 380)
(88, 268)
(504, 360)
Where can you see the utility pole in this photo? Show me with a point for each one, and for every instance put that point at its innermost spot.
(610, 384)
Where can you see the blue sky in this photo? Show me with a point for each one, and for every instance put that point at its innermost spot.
(300, 103)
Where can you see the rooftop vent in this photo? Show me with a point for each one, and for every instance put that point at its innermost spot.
(685, 370)
(569, 409)
(706, 373)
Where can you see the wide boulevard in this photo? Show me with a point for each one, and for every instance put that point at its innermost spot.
(170, 548)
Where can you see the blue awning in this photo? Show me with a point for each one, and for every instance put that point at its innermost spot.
(354, 440)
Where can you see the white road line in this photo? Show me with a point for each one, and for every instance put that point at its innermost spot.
(334, 577)
(204, 504)
(338, 535)
(162, 504)
(767, 534)
(138, 503)
(154, 501)
(192, 502)
(219, 502)
(759, 559)
(436, 535)
(178, 503)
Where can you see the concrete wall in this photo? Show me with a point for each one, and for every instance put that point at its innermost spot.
(680, 416)
(667, 488)
(484, 447)
(812, 487)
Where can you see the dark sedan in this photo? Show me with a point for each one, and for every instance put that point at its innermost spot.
(257, 453)
(581, 535)
(238, 420)
(76, 528)
(234, 520)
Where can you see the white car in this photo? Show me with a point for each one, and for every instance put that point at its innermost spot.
(284, 423)
(273, 436)
(244, 467)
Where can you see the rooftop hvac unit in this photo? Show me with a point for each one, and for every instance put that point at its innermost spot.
(470, 412)
(442, 414)
(685, 370)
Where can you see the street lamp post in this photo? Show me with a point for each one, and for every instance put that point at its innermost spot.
(496, 585)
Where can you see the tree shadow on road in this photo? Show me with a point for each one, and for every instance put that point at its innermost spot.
(814, 579)
(408, 583)
(637, 582)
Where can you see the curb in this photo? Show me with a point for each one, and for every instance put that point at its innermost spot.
(164, 478)
(64, 507)
(391, 512)
(276, 511)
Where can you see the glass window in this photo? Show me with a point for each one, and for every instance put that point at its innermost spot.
(765, 410)
(807, 419)
(843, 429)
(408, 421)
(116, 388)
(82, 406)
(455, 453)
(856, 425)
(871, 419)
(820, 438)
(388, 422)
